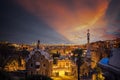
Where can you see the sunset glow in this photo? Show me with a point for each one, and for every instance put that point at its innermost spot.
(72, 18)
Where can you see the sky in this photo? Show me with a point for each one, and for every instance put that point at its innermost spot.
(59, 21)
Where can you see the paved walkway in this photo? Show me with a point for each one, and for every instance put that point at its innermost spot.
(68, 78)
(64, 78)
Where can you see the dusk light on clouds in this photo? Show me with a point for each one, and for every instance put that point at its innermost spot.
(63, 21)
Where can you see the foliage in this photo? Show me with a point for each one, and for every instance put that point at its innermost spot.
(24, 53)
(6, 50)
(98, 73)
(77, 53)
(119, 45)
(8, 53)
(97, 69)
(37, 77)
(56, 55)
(5, 76)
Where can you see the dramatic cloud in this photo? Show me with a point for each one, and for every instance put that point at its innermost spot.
(70, 17)
(113, 18)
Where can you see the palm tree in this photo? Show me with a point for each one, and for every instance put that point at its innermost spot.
(78, 55)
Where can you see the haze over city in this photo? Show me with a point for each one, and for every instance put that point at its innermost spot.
(59, 21)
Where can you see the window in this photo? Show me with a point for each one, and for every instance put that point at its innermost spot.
(67, 64)
(44, 65)
(41, 58)
(31, 65)
(37, 66)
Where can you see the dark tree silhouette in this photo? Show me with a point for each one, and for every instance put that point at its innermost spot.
(37, 77)
(5, 76)
(24, 53)
(6, 50)
(77, 53)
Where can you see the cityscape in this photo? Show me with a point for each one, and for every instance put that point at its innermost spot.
(60, 40)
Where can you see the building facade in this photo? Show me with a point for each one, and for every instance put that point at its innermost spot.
(38, 62)
(62, 68)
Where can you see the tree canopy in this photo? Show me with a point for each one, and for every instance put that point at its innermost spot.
(37, 77)
(5, 76)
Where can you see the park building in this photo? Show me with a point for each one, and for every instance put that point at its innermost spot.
(38, 62)
(63, 67)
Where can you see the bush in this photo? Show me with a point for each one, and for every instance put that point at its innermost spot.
(37, 77)
(5, 76)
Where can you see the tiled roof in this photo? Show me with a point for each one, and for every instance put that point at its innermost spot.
(47, 56)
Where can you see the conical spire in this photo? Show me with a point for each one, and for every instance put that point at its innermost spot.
(38, 43)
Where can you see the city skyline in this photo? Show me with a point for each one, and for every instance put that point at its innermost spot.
(59, 21)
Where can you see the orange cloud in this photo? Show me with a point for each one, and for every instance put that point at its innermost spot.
(69, 20)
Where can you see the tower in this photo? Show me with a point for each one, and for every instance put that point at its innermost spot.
(38, 43)
(88, 37)
(88, 55)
